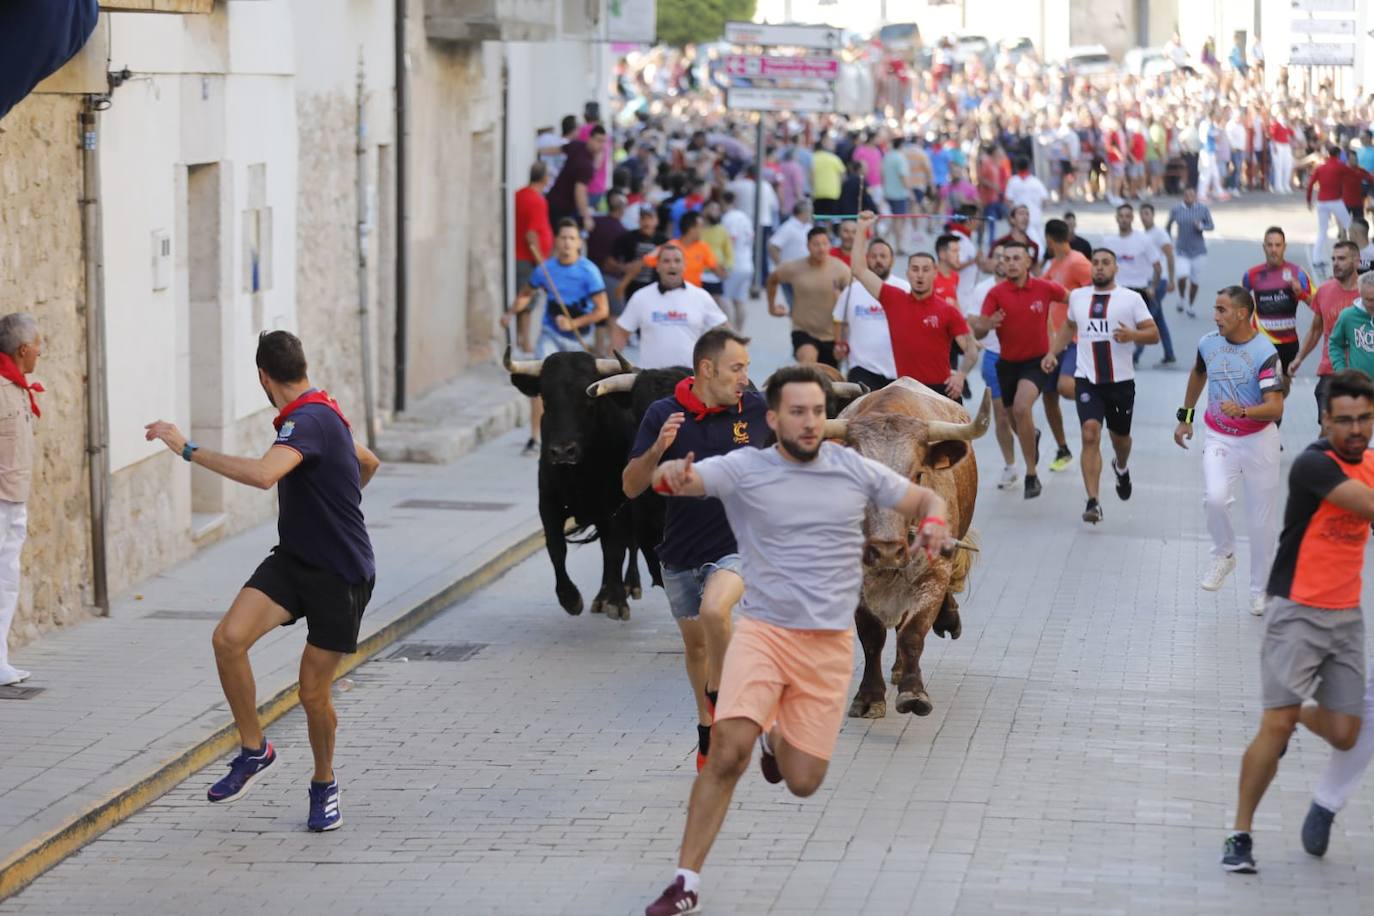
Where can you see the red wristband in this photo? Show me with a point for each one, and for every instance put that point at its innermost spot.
(662, 487)
(932, 519)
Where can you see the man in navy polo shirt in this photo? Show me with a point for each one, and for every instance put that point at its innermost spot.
(322, 568)
(711, 413)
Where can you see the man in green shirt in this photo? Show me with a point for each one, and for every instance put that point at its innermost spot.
(1352, 339)
(827, 175)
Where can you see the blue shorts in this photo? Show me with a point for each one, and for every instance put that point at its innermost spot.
(685, 585)
(899, 207)
(989, 373)
(1068, 360)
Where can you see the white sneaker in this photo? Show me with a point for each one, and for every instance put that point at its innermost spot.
(1010, 478)
(12, 675)
(1257, 605)
(1221, 568)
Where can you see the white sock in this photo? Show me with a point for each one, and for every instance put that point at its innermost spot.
(691, 881)
(765, 742)
(1118, 468)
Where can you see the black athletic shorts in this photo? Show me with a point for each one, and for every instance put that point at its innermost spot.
(826, 348)
(1110, 404)
(331, 606)
(873, 380)
(1287, 353)
(1009, 375)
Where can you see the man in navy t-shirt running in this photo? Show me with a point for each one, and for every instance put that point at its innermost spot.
(710, 413)
(321, 569)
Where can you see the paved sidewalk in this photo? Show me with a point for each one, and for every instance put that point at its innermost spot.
(124, 696)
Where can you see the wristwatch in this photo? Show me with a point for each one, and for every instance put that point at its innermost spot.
(188, 449)
(1185, 415)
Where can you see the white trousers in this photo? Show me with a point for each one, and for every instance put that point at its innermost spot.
(1254, 460)
(1326, 211)
(1209, 176)
(1342, 775)
(1283, 167)
(14, 526)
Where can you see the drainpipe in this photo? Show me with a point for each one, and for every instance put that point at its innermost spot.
(402, 189)
(364, 310)
(97, 445)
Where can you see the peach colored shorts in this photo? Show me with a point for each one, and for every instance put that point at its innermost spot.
(798, 679)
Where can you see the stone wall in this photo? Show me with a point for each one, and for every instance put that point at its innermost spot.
(41, 271)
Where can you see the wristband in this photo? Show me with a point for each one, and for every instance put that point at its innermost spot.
(932, 520)
(188, 449)
(662, 487)
(1185, 415)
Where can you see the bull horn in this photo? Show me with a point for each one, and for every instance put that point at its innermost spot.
(612, 385)
(522, 366)
(941, 431)
(849, 390)
(625, 364)
(836, 429)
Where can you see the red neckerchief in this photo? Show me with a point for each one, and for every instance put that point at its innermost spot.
(685, 397)
(9, 370)
(313, 396)
(961, 228)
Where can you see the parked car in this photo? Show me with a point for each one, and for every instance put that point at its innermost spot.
(899, 36)
(1146, 62)
(1089, 61)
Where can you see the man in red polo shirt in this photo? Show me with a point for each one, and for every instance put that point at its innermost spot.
(923, 324)
(1018, 309)
(533, 241)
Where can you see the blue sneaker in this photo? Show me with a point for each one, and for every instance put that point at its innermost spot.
(243, 769)
(1316, 830)
(324, 806)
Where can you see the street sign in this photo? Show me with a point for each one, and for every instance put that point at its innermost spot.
(811, 68)
(1323, 26)
(824, 37)
(1337, 54)
(761, 98)
(1323, 6)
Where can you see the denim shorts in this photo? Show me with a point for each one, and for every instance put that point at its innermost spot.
(684, 586)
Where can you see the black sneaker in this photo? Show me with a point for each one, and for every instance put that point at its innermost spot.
(1237, 856)
(1093, 513)
(768, 763)
(1123, 483)
(1032, 486)
(1316, 829)
(531, 447)
(1037, 448)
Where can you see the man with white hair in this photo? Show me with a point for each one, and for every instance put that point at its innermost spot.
(20, 347)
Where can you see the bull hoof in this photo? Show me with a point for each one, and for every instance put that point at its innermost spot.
(599, 606)
(617, 611)
(917, 703)
(637, 593)
(867, 709)
(571, 602)
(940, 629)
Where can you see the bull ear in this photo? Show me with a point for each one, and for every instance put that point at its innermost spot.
(528, 385)
(946, 454)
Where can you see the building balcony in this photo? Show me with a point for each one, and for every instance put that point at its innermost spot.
(157, 6)
(511, 20)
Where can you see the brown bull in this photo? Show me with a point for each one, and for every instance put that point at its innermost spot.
(926, 437)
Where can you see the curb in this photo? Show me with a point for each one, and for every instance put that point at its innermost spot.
(22, 867)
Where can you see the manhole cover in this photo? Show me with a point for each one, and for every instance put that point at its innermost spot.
(453, 505)
(19, 692)
(184, 615)
(437, 652)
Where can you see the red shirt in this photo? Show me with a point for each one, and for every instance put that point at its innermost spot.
(1024, 333)
(922, 331)
(1330, 175)
(1329, 301)
(946, 288)
(1352, 187)
(532, 214)
(1280, 134)
(839, 253)
(1138, 147)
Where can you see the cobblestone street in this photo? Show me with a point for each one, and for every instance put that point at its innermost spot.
(1081, 758)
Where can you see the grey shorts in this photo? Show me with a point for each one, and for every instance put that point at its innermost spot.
(1312, 653)
(685, 585)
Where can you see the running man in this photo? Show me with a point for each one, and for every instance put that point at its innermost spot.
(1107, 321)
(1072, 271)
(788, 667)
(1313, 645)
(1018, 309)
(322, 568)
(861, 333)
(1244, 382)
(710, 413)
(816, 282)
(1001, 416)
(1164, 244)
(670, 315)
(1332, 297)
(1139, 262)
(923, 324)
(1278, 286)
(1192, 219)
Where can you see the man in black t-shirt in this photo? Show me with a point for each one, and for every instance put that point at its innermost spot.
(630, 250)
(322, 568)
(711, 413)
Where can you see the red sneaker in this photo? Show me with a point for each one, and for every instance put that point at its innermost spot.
(676, 900)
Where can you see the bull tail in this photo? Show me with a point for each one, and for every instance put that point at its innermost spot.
(962, 563)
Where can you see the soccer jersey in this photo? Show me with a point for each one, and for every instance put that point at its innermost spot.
(1276, 304)
(1321, 550)
(1239, 372)
(1097, 314)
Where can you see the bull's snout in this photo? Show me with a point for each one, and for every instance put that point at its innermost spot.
(564, 452)
(885, 554)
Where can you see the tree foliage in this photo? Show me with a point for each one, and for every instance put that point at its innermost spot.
(685, 22)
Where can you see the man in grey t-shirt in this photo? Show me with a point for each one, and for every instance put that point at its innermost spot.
(797, 511)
